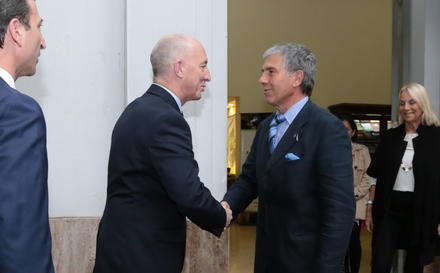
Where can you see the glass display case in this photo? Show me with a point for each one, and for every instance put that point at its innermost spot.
(372, 120)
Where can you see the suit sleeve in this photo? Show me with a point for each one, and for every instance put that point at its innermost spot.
(437, 136)
(337, 205)
(173, 157)
(375, 165)
(245, 188)
(24, 225)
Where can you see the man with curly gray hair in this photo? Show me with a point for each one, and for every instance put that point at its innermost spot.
(300, 168)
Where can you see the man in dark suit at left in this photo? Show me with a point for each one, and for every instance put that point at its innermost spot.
(153, 182)
(25, 240)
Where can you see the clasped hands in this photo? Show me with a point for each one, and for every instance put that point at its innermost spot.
(228, 211)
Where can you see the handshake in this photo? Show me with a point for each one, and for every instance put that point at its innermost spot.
(228, 211)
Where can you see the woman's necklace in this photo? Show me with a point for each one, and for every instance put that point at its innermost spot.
(406, 168)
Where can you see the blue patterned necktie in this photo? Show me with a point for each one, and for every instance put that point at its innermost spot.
(273, 130)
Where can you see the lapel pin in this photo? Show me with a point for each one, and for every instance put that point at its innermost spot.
(295, 136)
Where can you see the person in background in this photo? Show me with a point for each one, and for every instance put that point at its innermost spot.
(404, 206)
(361, 182)
(25, 239)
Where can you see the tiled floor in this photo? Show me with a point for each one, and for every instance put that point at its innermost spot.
(242, 247)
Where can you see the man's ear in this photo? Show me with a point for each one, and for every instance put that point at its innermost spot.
(298, 77)
(178, 68)
(16, 30)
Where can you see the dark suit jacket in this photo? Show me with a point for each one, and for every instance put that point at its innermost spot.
(153, 185)
(306, 206)
(426, 210)
(25, 240)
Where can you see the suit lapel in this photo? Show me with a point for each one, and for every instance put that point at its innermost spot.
(263, 144)
(399, 146)
(291, 136)
(4, 88)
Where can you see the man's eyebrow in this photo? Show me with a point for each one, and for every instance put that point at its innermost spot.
(268, 68)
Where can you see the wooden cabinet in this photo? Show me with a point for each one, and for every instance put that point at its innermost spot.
(372, 120)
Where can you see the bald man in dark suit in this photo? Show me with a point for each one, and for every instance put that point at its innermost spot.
(153, 182)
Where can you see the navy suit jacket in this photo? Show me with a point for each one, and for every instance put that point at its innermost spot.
(306, 206)
(25, 240)
(153, 185)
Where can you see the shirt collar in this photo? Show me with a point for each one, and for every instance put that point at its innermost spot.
(7, 77)
(179, 104)
(293, 111)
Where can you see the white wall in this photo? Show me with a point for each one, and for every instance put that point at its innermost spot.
(87, 74)
(206, 20)
(79, 84)
(421, 57)
(432, 52)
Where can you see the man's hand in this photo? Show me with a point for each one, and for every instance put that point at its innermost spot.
(228, 210)
(438, 230)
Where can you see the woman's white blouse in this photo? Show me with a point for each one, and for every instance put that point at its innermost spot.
(405, 176)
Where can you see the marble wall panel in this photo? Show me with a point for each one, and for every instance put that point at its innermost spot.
(74, 245)
(205, 252)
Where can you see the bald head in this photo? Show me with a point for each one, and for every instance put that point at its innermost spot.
(168, 50)
(180, 64)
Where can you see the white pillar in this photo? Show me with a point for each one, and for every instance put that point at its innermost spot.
(80, 87)
(97, 60)
(432, 52)
(421, 43)
(205, 20)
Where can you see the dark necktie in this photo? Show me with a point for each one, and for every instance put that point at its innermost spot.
(273, 130)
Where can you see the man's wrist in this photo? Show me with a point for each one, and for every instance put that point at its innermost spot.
(370, 202)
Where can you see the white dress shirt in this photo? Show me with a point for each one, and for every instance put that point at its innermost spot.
(290, 115)
(7, 77)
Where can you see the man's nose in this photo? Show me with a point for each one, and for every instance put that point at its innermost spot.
(262, 79)
(207, 75)
(43, 43)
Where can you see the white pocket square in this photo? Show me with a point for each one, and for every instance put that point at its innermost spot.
(291, 157)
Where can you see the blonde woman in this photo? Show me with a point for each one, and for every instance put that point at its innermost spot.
(404, 206)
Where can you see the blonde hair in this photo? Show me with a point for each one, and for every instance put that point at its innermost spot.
(419, 94)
